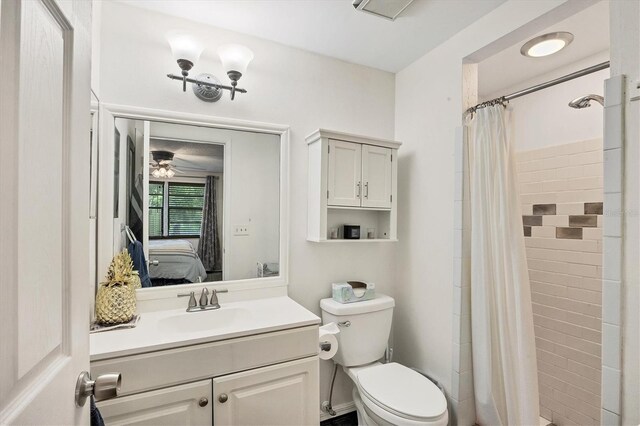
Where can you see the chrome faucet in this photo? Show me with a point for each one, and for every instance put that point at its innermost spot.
(205, 304)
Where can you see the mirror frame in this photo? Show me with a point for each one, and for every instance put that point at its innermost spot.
(106, 116)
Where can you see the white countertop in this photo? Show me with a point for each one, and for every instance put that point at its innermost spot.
(237, 319)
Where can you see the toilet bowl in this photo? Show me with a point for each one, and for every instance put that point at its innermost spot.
(384, 394)
(392, 394)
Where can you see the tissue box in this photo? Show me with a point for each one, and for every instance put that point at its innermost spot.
(344, 292)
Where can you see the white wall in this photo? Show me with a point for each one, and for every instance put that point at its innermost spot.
(429, 106)
(286, 86)
(543, 118)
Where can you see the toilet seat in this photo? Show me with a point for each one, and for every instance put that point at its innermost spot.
(400, 395)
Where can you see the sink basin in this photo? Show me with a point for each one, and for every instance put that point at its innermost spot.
(202, 321)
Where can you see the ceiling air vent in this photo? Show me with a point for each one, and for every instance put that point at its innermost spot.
(388, 9)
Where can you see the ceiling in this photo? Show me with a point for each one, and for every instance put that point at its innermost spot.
(333, 27)
(191, 157)
(508, 68)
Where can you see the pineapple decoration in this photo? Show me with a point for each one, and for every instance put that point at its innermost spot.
(116, 298)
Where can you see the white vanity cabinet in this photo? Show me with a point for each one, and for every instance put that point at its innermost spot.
(282, 394)
(352, 181)
(266, 378)
(188, 404)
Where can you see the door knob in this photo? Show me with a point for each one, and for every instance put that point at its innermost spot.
(106, 386)
(223, 398)
(203, 402)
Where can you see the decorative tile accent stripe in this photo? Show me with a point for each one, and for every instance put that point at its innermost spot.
(584, 221)
(568, 226)
(569, 233)
(544, 209)
(593, 208)
(532, 220)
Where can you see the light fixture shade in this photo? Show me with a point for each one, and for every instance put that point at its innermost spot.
(235, 57)
(184, 46)
(546, 44)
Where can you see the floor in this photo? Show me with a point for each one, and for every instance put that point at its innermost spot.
(349, 419)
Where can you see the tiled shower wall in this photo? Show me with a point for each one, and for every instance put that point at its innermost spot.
(561, 189)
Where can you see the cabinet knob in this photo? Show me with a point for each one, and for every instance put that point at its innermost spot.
(203, 402)
(223, 398)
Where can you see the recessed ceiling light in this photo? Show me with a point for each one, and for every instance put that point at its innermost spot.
(546, 44)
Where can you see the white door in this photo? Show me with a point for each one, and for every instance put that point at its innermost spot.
(345, 170)
(145, 188)
(44, 214)
(178, 405)
(376, 176)
(283, 394)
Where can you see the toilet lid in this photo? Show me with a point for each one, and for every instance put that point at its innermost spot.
(402, 391)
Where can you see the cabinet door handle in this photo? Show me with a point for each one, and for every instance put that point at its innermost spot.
(358, 187)
(203, 402)
(223, 398)
(366, 190)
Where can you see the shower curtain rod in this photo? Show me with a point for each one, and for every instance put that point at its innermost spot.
(504, 99)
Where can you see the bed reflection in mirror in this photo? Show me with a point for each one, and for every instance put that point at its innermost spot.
(196, 204)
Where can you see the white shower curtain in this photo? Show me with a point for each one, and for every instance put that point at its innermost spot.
(503, 342)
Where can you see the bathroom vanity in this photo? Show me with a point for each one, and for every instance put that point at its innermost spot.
(249, 362)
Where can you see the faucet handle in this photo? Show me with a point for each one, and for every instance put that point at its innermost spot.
(203, 297)
(214, 299)
(192, 299)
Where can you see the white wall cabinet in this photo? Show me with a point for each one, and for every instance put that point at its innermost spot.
(283, 394)
(352, 181)
(345, 173)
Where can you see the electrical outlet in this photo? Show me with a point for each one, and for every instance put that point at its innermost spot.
(241, 230)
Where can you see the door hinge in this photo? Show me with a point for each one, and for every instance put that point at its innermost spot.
(391, 198)
(392, 158)
(327, 194)
(329, 149)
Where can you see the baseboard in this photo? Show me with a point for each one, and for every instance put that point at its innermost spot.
(341, 409)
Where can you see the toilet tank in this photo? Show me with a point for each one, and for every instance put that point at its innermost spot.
(364, 328)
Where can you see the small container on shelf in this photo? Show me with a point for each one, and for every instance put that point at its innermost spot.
(351, 232)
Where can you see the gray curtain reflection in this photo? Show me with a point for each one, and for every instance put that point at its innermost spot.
(209, 247)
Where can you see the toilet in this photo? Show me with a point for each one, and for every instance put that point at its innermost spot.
(384, 394)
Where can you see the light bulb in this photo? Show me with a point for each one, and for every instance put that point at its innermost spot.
(170, 173)
(235, 58)
(156, 173)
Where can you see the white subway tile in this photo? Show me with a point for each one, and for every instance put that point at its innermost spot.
(614, 91)
(592, 145)
(593, 170)
(581, 159)
(456, 357)
(592, 233)
(612, 258)
(611, 389)
(570, 208)
(612, 218)
(613, 127)
(584, 183)
(555, 220)
(543, 231)
(611, 346)
(611, 302)
(527, 209)
(610, 419)
(613, 170)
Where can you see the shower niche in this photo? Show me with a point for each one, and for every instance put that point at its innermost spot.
(352, 182)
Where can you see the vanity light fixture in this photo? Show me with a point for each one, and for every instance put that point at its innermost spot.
(546, 44)
(186, 51)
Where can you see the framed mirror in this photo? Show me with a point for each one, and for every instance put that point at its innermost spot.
(194, 200)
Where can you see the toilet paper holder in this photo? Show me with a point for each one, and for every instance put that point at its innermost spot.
(325, 346)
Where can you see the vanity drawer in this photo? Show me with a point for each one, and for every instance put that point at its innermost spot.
(155, 370)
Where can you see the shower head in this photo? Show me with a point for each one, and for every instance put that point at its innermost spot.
(585, 101)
